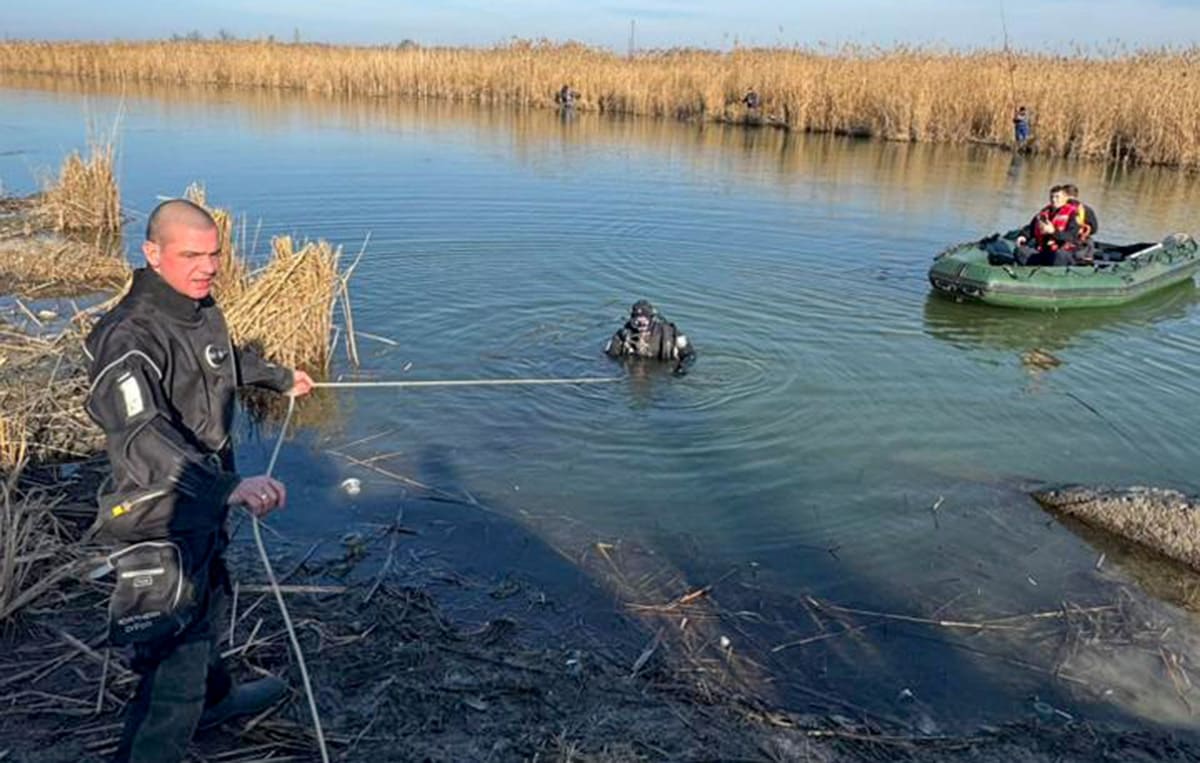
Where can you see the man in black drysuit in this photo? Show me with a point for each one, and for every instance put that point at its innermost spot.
(163, 379)
(647, 335)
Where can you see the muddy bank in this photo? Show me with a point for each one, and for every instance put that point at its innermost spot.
(1164, 521)
(417, 653)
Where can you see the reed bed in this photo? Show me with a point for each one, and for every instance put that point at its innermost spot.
(286, 308)
(13, 445)
(42, 267)
(43, 384)
(1137, 107)
(37, 553)
(85, 195)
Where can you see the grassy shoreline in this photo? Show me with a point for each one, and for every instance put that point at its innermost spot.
(1137, 108)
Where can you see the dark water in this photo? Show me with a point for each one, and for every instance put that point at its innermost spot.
(834, 403)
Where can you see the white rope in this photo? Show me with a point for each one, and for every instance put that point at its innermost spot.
(287, 619)
(464, 382)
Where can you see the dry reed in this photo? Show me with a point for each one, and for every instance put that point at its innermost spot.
(36, 552)
(1140, 107)
(287, 307)
(13, 444)
(43, 384)
(52, 267)
(85, 196)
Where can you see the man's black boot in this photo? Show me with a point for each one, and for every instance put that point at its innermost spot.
(245, 699)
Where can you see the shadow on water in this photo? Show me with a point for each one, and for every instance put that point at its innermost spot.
(726, 628)
(466, 549)
(714, 624)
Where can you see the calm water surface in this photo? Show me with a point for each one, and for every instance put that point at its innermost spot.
(834, 402)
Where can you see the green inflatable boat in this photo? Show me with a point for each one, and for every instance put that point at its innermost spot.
(985, 271)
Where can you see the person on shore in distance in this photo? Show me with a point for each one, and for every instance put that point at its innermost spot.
(1054, 232)
(1020, 127)
(647, 336)
(163, 379)
(565, 97)
(751, 100)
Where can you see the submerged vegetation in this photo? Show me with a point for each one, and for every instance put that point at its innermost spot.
(1140, 107)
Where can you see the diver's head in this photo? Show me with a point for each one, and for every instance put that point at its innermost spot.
(642, 315)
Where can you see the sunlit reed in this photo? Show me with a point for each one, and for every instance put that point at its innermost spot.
(85, 195)
(1140, 107)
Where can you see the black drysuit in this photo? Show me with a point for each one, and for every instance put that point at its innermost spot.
(163, 379)
(661, 341)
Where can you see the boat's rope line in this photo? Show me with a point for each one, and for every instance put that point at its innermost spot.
(262, 549)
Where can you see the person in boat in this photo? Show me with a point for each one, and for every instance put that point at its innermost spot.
(163, 377)
(1020, 126)
(647, 335)
(1052, 237)
(1089, 225)
(566, 96)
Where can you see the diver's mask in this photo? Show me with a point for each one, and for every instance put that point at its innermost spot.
(641, 316)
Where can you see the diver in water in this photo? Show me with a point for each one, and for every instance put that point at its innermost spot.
(646, 335)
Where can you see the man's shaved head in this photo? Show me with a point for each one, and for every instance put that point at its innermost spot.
(176, 212)
(183, 245)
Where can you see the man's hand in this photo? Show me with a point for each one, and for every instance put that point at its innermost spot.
(260, 494)
(302, 384)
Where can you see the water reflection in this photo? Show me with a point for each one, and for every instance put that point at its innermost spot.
(1163, 578)
(991, 186)
(973, 326)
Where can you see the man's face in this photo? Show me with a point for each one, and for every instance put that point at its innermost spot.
(1058, 198)
(188, 259)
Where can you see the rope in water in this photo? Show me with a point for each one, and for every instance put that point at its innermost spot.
(287, 619)
(262, 549)
(464, 382)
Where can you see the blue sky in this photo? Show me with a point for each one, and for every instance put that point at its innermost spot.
(1054, 24)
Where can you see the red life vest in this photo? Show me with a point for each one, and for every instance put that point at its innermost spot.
(1061, 218)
